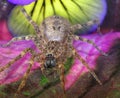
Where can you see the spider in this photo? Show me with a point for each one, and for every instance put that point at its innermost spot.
(54, 37)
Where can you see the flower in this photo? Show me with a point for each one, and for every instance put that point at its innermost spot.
(90, 54)
(76, 11)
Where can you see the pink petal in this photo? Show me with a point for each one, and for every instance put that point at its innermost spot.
(16, 71)
(4, 33)
(90, 54)
(87, 51)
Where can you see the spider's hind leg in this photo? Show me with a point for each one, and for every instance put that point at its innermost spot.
(87, 66)
(28, 70)
(24, 79)
(31, 62)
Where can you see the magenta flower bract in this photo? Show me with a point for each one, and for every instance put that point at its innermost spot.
(87, 51)
(4, 33)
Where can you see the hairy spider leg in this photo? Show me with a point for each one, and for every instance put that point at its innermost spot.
(92, 43)
(87, 66)
(80, 26)
(39, 43)
(62, 78)
(89, 23)
(28, 70)
(98, 27)
(36, 27)
(31, 62)
(24, 78)
(28, 37)
(14, 60)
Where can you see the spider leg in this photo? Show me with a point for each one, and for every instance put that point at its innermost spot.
(89, 23)
(40, 37)
(62, 78)
(39, 57)
(87, 66)
(36, 27)
(29, 37)
(90, 42)
(28, 70)
(98, 27)
(22, 84)
(15, 59)
(42, 68)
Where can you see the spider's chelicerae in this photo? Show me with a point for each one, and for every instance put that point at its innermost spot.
(54, 37)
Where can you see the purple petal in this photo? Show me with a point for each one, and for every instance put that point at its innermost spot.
(16, 71)
(90, 54)
(87, 51)
(21, 2)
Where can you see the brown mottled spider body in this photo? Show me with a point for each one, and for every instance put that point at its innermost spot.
(58, 40)
(54, 38)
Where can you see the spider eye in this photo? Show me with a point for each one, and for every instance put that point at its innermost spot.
(56, 28)
(59, 27)
(53, 27)
(56, 17)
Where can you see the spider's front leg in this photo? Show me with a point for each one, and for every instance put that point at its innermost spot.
(89, 23)
(40, 36)
(28, 17)
(75, 54)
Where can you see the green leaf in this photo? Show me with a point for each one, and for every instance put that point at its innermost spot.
(44, 80)
(68, 63)
(26, 93)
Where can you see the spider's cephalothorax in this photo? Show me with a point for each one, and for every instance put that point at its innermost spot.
(54, 28)
(58, 39)
(54, 37)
